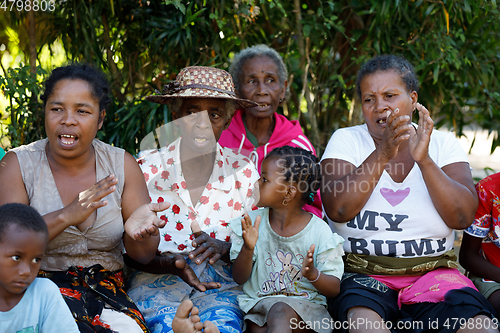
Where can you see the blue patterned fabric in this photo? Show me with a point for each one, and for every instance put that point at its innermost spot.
(158, 295)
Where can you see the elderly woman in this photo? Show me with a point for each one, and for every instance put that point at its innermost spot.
(207, 185)
(88, 193)
(396, 191)
(260, 75)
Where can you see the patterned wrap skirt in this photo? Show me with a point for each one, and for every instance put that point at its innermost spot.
(87, 290)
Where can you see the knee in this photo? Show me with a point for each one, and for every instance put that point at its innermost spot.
(363, 312)
(484, 324)
(281, 309)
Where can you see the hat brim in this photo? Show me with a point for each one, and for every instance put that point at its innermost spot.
(201, 93)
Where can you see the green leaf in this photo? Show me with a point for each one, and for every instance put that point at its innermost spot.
(307, 30)
(435, 74)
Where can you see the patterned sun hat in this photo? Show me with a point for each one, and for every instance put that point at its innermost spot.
(201, 82)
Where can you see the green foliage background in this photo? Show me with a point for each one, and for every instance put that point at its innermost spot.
(453, 44)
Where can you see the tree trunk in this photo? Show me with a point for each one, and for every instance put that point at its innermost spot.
(33, 55)
(305, 62)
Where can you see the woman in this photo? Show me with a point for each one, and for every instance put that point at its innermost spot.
(88, 193)
(207, 185)
(395, 192)
(260, 75)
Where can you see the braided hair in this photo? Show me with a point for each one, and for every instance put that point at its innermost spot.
(301, 167)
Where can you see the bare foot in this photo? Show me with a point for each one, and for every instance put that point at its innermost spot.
(186, 319)
(210, 327)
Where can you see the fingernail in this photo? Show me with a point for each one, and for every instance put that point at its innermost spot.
(396, 110)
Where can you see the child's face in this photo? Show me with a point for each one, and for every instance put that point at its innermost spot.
(21, 253)
(272, 185)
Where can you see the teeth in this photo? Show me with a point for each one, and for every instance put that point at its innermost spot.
(67, 139)
(263, 105)
(381, 121)
(200, 140)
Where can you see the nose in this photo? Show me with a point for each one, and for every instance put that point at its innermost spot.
(24, 269)
(262, 88)
(69, 118)
(202, 121)
(380, 106)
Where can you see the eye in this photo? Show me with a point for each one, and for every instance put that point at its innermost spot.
(37, 260)
(16, 258)
(215, 116)
(368, 100)
(270, 80)
(251, 81)
(390, 95)
(82, 111)
(56, 109)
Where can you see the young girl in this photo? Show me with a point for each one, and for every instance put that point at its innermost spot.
(289, 260)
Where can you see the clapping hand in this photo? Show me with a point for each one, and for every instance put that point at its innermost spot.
(250, 232)
(396, 131)
(420, 138)
(309, 271)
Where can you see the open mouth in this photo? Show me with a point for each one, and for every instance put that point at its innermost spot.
(68, 139)
(200, 140)
(382, 120)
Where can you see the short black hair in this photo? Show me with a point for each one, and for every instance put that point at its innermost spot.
(301, 167)
(23, 216)
(99, 86)
(389, 62)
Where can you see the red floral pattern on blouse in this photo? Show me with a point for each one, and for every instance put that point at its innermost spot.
(228, 194)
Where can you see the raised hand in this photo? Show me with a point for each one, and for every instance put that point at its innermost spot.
(89, 200)
(420, 138)
(250, 232)
(396, 131)
(144, 222)
(309, 271)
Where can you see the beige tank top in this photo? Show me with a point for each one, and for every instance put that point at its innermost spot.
(100, 243)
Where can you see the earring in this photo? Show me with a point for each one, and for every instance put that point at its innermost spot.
(281, 100)
(285, 203)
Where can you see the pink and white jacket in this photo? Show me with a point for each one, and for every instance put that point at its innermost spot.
(286, 133)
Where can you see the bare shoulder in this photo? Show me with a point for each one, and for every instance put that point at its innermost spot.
(11, 178)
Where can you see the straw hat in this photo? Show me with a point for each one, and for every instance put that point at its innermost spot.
(201, 82)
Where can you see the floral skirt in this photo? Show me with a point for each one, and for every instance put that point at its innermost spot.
(87, 290)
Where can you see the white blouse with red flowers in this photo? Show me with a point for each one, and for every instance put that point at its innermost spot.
(228, 194)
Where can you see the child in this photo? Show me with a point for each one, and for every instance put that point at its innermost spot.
(285, 279)
(480, 249)
(27, 304)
